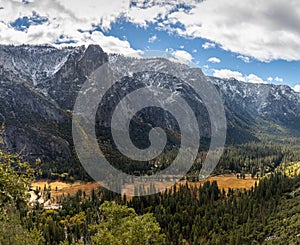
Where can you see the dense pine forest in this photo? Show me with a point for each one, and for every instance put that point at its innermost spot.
(268, 213)
(255, 158)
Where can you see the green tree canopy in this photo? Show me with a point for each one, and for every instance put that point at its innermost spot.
(15, 179)
(121, 225)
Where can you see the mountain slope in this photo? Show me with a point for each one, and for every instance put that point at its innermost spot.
(39, 85)
(268, 109)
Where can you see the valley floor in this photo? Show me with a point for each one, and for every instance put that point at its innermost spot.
(59, 188)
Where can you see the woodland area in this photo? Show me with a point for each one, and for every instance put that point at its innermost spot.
(255, 158)
(266, 214)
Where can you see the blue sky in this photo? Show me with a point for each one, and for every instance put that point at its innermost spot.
(151, 38)
(253, 41)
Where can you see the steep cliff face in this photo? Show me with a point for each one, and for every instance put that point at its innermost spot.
(33, 124)
(39, 85)
(64, 85)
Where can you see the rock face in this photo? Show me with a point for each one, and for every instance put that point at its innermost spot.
(39, 85)
(266, 108)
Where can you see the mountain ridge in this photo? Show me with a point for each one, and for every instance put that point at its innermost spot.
(40, 85)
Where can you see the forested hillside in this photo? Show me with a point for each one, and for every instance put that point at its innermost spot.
(255, 158)
(266, 214)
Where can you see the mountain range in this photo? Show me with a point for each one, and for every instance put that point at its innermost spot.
(39, 86)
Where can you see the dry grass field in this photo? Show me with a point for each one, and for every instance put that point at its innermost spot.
(230, 181)
(59, 188)
(224, 181)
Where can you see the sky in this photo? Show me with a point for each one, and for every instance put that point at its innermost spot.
(251, 40)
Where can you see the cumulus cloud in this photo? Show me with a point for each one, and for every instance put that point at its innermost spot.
(148, 12)
(214, 60)
(252, 78)
(77, 22)
(265, 30)
(182, 56)
(278, 79)
(275, 79)
(152, 39)
(67, 22)
(296, 88)
(111, 44)
(228, 74)
(208, 45)
(246, 59)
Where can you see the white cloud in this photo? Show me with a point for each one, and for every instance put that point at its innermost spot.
(252, 78)
(182, 56)
(111, 44)
(152, 39)
(142, 15)
(65, 18)
(246, 59)
(278, 79)
(208, 45)
(64, 12)
(214, 60)
(296, 88)
(265, 30)
(228, 74)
